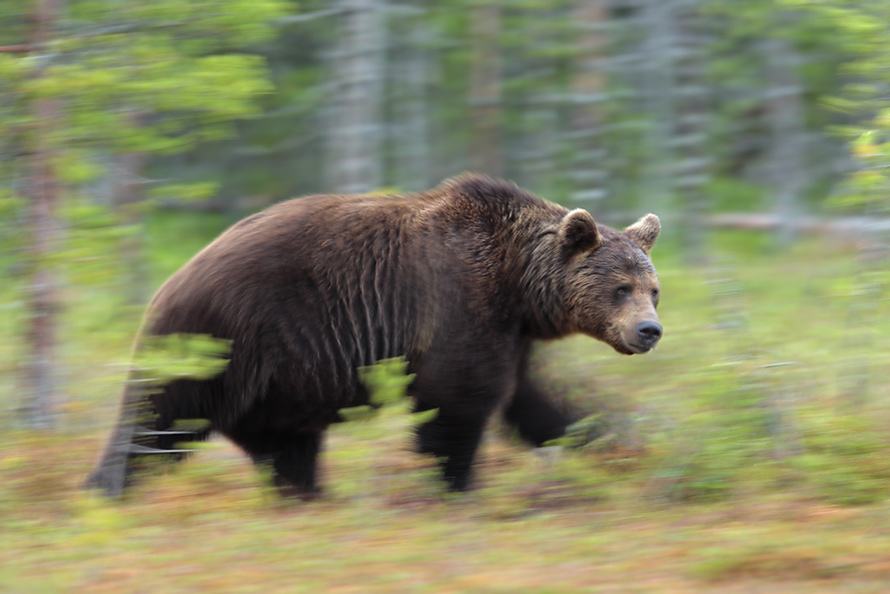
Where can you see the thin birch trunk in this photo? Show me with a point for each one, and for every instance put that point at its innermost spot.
(485, 89)
(688, 140)
(658, 90)
(126, 195)
(589, 172)
(786, 123)
(410, 106)
(42, 397)
(354, 160)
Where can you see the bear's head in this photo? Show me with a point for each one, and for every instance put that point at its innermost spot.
(595, 280)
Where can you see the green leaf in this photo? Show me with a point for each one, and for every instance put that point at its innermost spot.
(162, 359)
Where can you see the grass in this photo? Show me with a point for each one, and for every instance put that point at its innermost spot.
(747, 454)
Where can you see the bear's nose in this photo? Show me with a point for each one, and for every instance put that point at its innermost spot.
(649, 332)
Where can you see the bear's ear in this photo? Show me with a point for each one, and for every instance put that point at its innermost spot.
(644, 232)
(578, 232)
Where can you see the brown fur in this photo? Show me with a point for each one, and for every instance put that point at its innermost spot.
(459, 280)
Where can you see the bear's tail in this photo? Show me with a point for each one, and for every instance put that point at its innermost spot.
(131, 440)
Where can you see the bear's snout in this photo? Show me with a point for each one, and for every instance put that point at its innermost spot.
(648, 334)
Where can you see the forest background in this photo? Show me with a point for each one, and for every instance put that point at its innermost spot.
(133, 132)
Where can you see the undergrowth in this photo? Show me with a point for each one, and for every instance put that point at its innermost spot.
(751, 445)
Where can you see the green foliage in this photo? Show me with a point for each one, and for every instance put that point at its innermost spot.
(535, 522)
(163, 359)
(94, 233)
(869, 186)
(185, 192)
(130, 63)
(278, 153)
(193, 231)
(861, 31)
(731, 194)
(779, 559)
(728, 436)
(579, 433)
(387, 382)
(845, 460)
(126, 78)
(742, 72)
(388, 422)
(12, 207)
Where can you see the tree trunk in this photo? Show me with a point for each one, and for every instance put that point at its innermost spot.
(786, 122)
(689, 142)
(589, 173)
(126, 196)
(354, 160)
(658, 90)
(681, 47)
(42, 189)
(410, 117)
(485, 89)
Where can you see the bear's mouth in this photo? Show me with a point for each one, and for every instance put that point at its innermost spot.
(638, 349)
(632, 348)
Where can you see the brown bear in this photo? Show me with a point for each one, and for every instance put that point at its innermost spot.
(459, 280)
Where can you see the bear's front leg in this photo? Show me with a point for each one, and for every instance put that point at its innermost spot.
(293, 456)
(535, 416)
(454, 442)
(466, 374)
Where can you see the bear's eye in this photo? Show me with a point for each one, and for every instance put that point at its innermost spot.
(655, 293)
(622, 291)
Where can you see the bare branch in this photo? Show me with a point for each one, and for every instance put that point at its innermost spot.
(16, 49)
(309, 16)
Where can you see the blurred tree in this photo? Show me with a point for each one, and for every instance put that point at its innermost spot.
(126, 196)
(281, 152)
(787, 142)
(864, 35)
(769, 69)
(647, 105)
(536, 47)
(686, 98)
(41, 190)
(768, 124)
(685, 60)
(408, 105)
(91, 87)
(485, 87)
(354, 125)
(589, 94)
